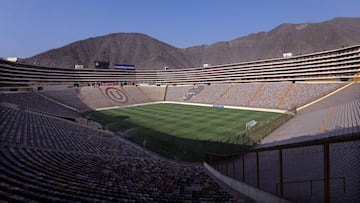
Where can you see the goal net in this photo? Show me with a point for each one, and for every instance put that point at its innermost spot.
(250, 124)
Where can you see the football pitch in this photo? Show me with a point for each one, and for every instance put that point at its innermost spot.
(176, 130)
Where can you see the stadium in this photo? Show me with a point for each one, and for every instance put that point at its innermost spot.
(274, 130)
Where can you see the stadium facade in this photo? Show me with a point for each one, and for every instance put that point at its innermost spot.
(340, 64)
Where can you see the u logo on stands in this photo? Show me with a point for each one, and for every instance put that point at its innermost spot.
(116, 95)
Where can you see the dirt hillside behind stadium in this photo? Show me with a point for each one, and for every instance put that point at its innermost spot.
(146, 52)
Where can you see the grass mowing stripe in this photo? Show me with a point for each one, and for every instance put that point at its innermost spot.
(176, 126)
(184, 120)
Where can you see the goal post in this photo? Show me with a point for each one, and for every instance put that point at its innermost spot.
(250, 124)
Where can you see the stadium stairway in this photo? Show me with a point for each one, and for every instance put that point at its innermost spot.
(224, 93)
(252, 98)
(286, 94)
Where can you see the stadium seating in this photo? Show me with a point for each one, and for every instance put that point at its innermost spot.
(136, 95)
(49, 159)
(99, 97)
(177, 93)
(193, 92)
(343, 119)
(38, 103)
(239, 94)
(154, 93)
(303, 93)
(68, 97)
(44, 158)
(336, 115)
(269, 95)
(261, 95)
(209, 94)
(93, 97)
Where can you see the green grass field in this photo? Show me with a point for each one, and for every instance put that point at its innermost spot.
(183, 132)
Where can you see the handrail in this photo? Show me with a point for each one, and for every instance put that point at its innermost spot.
(227, 161)
(311, 183)
(328, 140)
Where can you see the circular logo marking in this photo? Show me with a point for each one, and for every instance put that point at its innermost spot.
(116, 95)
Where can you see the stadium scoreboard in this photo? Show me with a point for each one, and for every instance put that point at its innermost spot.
(124, 67)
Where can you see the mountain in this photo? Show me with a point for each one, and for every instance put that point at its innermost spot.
(122, 48)
(296, 38)
(148, 53)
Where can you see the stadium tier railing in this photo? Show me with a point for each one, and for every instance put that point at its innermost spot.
(321, 170)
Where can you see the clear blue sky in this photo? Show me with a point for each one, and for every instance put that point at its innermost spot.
(29, 27)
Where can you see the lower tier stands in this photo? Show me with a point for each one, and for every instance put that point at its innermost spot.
(268, 95)
(154, 93)
(336, 115)
(177, 93)
(38, 103)
(47, 159)
(302, 93)
(135, 95)
(93, 97)
(209, 94)
(30, 129)
(239, 94)
(68, 97)
(277, 95)
(107, 96)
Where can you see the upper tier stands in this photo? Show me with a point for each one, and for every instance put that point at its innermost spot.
(47, 159)
(338, 64)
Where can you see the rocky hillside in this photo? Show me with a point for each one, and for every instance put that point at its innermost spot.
(148, 53)
(123, 48)
(295, 38)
